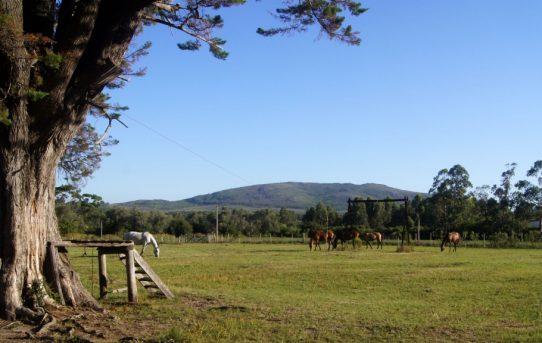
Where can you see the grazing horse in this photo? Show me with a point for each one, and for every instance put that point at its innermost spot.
(316, 236)
(144, 238)
(451, 238)
(346, 235)
(368, 237)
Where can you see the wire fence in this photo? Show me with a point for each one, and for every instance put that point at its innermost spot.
(270, 239)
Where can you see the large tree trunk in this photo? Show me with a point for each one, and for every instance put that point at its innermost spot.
(27, 222)
(92, 37)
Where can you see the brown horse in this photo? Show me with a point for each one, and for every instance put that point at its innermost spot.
(451, 238)
(318, 235)
(315, 237)
(330, 236)
(368, 237)
(346, 235)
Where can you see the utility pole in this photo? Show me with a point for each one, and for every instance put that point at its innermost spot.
(217, 223)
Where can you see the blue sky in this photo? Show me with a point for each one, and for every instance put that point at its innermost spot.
(433, 84)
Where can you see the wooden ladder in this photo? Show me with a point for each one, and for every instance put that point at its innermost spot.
(147, 277)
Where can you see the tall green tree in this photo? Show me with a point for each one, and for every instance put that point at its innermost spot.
(356, 215)
(418, 207)
(179, 225)
(288, 222)
(528, 197)
(56, 58)
(320, 217)
(266, 221)
(449, 197)
(376, 215)
(504, 193)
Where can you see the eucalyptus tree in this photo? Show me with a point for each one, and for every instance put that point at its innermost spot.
(376, 215)
(528, 196)
(356, 215)
(449, 197)
(418, 207)
(504, 194)
(56, 58)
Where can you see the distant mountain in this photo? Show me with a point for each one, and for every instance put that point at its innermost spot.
(293, 195)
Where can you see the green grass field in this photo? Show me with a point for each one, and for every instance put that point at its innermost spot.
(284, 293)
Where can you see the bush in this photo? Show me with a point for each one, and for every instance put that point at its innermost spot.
(502, 240)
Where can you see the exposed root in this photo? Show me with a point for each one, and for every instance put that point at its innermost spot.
(47, 326)
(29, 316)
(67, 324)
(8, 325)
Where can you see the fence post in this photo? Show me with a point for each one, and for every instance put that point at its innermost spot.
(130, 275)
(102, 267)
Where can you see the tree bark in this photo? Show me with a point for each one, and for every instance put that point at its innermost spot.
(28, 221)
(93, 42)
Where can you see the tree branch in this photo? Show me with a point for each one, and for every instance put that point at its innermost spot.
(182, 29)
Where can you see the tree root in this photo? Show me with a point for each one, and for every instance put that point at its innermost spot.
(29, 316)
(72, 320)
(47, 326)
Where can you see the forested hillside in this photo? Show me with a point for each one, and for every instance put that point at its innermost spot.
(292, 195)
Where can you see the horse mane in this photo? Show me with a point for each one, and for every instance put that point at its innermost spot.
(152, 239)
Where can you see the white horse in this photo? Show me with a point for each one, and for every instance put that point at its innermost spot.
(142, 238)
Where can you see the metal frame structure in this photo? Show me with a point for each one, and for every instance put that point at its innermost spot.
(404, 200)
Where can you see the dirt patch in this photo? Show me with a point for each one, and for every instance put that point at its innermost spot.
(72, 325)
(229, 308)
(200, 302)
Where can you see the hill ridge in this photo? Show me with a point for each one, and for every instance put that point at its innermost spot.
(293, 195)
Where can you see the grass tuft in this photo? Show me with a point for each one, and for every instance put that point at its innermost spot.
(405, 248)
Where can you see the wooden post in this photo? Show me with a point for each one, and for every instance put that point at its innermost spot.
(130, 275)
(102, 259)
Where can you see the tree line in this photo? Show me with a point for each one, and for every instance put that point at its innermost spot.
(503, 211)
